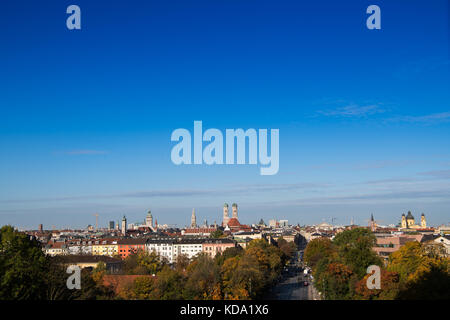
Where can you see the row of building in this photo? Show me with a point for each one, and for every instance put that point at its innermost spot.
(166, 247)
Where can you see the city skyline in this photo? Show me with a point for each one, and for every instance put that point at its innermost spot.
(363, 115)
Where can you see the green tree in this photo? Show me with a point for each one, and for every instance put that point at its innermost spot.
(216, 234)
(355, 248)
(228, 253)
(143, 263)
(338, 282)
(203, 276)
(23, 266)
(316, 250)
(169, 285)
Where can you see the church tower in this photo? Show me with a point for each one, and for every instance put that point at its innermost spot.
(235, 212)
(225, 215)
(193, 219)
(410, 220)
(372, 224)
(124, 226)
(404, 224)
(149, 219)
(423, 221)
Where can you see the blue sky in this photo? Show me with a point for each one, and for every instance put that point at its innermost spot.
(86, 115)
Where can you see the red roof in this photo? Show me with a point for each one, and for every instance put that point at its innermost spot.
(233, 222)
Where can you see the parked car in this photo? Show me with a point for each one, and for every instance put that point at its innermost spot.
(305, 283)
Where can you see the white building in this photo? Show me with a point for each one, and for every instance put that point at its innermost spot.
(164, 247)
(283, 223)
(80, 247)
(272, 223)
(445, 241)
(188, 247)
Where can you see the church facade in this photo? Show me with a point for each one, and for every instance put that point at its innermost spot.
(408, 221)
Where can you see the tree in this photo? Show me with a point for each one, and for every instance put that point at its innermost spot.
(337, 282)
(23, 266)
(143, 263)
(203, 276)
(99, 272)
(169, 285)
(216, 234)
(316, 250)
(423, 272)
(288, 248)
(389, 287)
(142, 288)
(355, 248)
(182, 263)
(228, 253)
(242, 277)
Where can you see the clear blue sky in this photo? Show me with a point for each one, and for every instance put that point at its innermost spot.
(86, 115)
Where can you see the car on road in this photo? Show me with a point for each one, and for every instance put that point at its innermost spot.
(305, 283)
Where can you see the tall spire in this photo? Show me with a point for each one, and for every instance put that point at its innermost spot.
(149, 219)
(193, 219)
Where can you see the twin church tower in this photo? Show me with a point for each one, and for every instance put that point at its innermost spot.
(226, 217)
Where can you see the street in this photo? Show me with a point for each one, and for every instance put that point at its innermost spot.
(291, 286)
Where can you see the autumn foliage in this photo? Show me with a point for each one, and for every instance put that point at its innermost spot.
(415, 271)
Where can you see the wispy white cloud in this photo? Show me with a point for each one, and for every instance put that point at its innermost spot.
(438, 174)
(84, 152)
(353, 110)
(240, 189)
(426, 119)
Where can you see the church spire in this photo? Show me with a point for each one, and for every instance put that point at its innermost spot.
(193, 219)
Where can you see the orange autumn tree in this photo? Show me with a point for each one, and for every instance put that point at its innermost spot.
(424, 273)
(389, 287)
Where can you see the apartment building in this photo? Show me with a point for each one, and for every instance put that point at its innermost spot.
(105, 247)
(76, 247)
(214, 246)
(164, 247)
(130, 246)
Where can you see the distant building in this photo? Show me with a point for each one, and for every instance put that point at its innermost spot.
(193, 219)
(130, 246)
(372, 224)
(56, 248)
(283, 223)
(225, 215)
(445, 241)
(388, 243)
(113, 265)
(149, 219)
(204, 231)
(214, 246)
(111, 225)
(247, 235)
(105, 247)
(273, 223)
(234, 208)
(41, 228)
(124, 226)
(408, 221)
